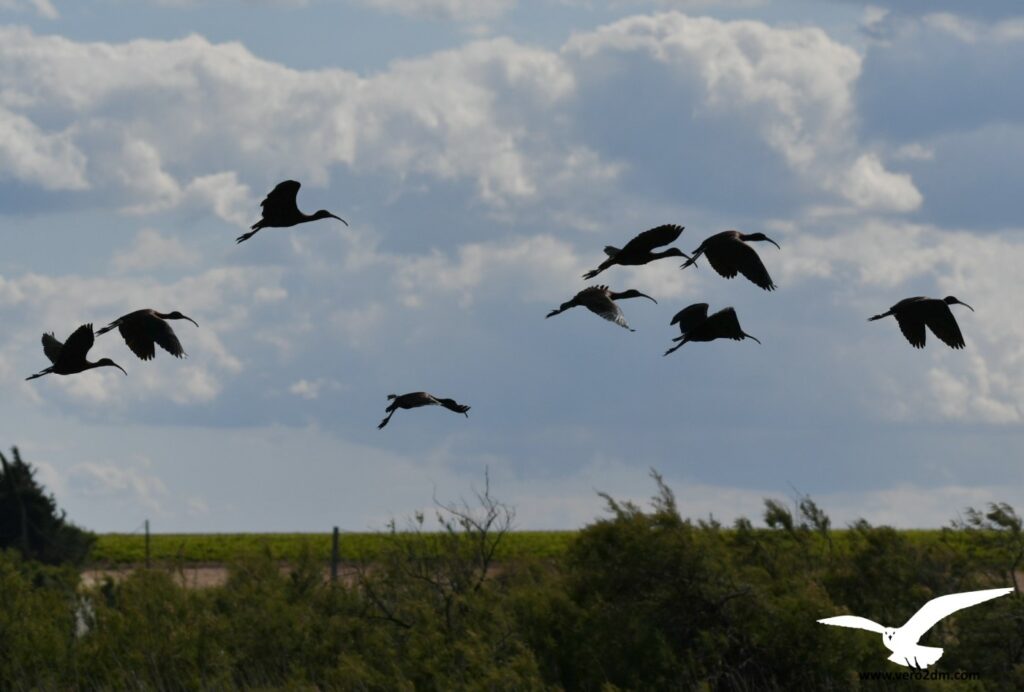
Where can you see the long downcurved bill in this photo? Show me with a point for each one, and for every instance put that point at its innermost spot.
(338, 218)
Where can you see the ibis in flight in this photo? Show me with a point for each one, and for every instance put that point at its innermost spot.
(280, 210)
(640, 250)
(69, 358)
(696, 325)
(417, 399)
(600, 300)
(912, 314)
(143, 329)
(729, 254)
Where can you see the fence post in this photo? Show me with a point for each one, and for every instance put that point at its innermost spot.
(147, 544)
(334, 555)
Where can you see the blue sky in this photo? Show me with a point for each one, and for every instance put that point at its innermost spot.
(484, 151)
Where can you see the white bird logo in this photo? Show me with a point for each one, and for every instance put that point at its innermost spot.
(902, 642)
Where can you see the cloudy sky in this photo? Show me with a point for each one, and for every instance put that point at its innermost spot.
(484, 151)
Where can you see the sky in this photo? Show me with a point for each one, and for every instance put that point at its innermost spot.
(484, 152)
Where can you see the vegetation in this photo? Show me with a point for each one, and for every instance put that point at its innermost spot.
(641, 599)
(29, 520)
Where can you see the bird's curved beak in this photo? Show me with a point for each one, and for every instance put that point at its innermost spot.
(772, 242)
(119, 368)
(338, 218)
(965, 305)
(644, 295)
(184, 317)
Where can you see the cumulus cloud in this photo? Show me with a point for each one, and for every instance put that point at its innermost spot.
(795, 87)
(44, 8)
(152, 249)
(458, 10)
(888, 262)
(216, 298)
(107, 480)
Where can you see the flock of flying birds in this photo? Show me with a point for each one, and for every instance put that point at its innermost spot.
(727, 252)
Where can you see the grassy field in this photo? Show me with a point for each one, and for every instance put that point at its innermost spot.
(115, 549)
(121, 549)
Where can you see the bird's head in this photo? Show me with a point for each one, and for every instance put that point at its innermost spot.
(674, 252)
(178, 316)
(106, 361)
(760, 236)
(889, 633)
(953, 300)
(633, 293)
(324, 214)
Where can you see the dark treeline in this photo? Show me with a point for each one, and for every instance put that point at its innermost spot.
(642, 600)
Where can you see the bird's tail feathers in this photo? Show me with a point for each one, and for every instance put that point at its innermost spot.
(392, 396)
(611, 250)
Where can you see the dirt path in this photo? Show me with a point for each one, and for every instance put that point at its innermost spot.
(202, 576)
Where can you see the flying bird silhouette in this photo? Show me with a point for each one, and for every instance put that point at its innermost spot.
(640, 250)
(600, 300)
(69, 358)
(281, 210)
(912, 314)
(902, 641)
(729, 254)
(143, 329)
(417, 399)
(696, 325)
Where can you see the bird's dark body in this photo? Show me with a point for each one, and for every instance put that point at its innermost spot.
(640, 250)
(914, 314)
(417, 399)
(69, 358)
(600, 300)
(696, 325)
(143, 329)
(280, 210)
(729, 254)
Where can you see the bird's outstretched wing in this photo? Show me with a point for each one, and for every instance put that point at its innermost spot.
(652, 238)
(452, 405)
(606, 308)
(749, 263)
(78, 344)
(164, 335)
(943, 606)
(941, 321)
(284, 195)
(597, 300)
(726, 324)
(51, 347)
(142, 335)
(854, 621)
(690, 316)
(912, 327)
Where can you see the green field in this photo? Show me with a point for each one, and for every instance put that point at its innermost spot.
(196, 548)
(186, 548)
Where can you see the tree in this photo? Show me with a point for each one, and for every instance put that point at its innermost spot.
(30, 521)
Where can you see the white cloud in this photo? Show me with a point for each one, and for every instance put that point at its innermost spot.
(868, 185)
(881, 263)
(793, 86)
(152, 249)
(109, 480)
(44, 8)
(50, 160)
(458, 10)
